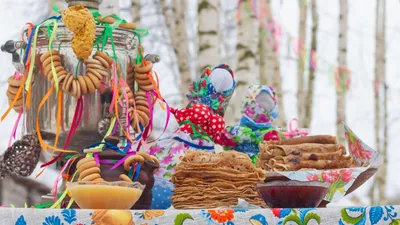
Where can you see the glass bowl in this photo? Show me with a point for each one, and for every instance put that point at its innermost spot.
(105, 195)
(292, 194)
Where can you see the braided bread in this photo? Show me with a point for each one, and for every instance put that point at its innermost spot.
(97, 69)
(89, 170)
(13, 86)
(80, 21)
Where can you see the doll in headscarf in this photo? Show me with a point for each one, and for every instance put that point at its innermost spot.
(259, 110)
(201, 126)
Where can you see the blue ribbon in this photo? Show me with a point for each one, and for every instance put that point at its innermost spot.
(194, 145)
(137, 172)
(28, 45)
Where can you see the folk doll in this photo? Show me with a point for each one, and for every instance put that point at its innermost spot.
(201, 126)
(259, 110)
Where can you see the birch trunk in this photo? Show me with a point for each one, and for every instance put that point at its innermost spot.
(108, 7)
(311, 76)
(208, 33)
(266, 52)
(379, 184)
(277, 84)
(342, 62)
(135, 11)
(300, 60)
(270, 73)
(176, 24)
(247, 67)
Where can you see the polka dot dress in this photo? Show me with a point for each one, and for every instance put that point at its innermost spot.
(201, 115)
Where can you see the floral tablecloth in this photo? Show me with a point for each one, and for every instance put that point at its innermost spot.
(388, 215)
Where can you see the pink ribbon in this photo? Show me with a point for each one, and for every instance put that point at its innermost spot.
(121, 160)
(96, 158)
(14, 130)
(59, 177)
(294, 129)
(75, 121)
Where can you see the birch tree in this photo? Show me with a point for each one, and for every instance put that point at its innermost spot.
(311, 75)
(176, 24)
(342, 61)
(266, 51)
(270, 70)
(300, 60)
(135, 11)
(381, 129)
(208, 33)
(247, 65)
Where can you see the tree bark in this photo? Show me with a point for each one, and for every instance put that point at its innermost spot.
(176, 24)
(342, 62)
(247, 65)
(270, 73)
(311, 76)
(267, 53)
(135, 11)
(208, 33)
(300, 60)
(378, 189)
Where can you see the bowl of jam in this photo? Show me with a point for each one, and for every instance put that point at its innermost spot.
(292, 194)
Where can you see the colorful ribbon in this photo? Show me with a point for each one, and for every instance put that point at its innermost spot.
(294, 130)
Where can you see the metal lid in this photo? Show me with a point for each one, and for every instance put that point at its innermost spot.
(86, 3)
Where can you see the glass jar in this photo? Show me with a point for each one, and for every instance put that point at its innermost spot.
(95, 106)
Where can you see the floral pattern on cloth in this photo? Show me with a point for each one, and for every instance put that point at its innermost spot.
(255, 125)
(374, 215)
(362, 153)
(204, 92)
(340, 179)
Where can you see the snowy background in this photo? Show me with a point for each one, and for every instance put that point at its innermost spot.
(15, 13)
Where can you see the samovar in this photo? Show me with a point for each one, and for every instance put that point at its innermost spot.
(95, 118)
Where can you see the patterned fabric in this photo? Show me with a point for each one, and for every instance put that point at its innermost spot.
(207, 125)
(203, 91)
(375, 215)
(259, 109)
(162, 191)
(168, 151)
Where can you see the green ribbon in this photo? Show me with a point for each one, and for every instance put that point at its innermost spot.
(254, 159)
(56, 9)
(42, 206)
(196, 128)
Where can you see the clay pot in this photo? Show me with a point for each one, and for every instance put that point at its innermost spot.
(146, 177)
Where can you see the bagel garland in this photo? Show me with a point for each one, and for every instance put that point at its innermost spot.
(97, 69)
(142, 73)
(13, 86)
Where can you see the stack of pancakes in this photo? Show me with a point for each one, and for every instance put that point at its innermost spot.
(206, 180)
(304, 153)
